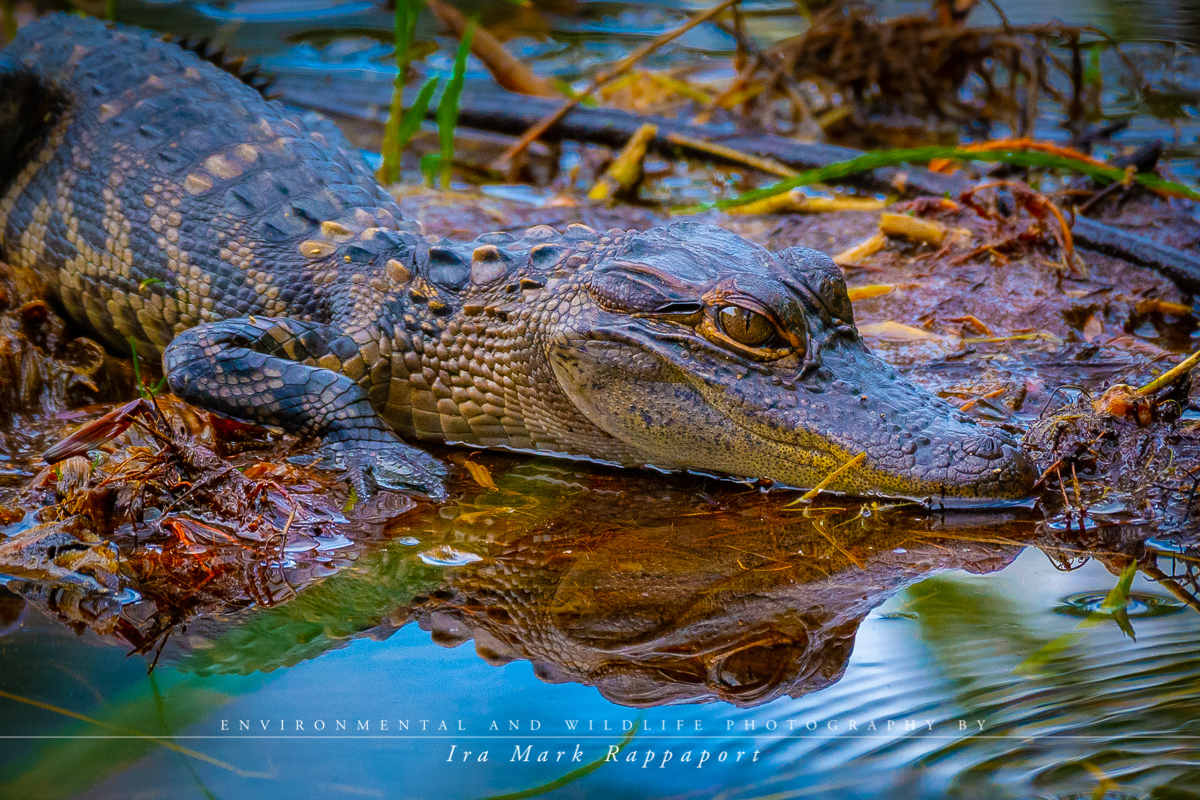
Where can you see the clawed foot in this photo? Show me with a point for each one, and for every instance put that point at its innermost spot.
(385, 463)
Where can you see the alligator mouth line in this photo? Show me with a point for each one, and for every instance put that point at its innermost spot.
(948, 497)
(949, 502)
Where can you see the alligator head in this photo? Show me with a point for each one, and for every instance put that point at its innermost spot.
(702, 351)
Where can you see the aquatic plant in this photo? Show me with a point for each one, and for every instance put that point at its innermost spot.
(442, 162)
(401, 126)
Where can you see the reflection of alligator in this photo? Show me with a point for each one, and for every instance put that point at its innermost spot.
(649, 615)
(651, 590)
(652, 597)
(166, 203)
(693, 612)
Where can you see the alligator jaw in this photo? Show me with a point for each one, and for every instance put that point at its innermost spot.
(916, 446)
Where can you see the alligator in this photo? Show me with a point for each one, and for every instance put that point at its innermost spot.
(167, 206)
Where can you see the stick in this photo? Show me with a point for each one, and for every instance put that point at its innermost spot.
(508, 71)
(626, 169)
(812, 493)
(767, 165)
(1171, 375)
(621, 67)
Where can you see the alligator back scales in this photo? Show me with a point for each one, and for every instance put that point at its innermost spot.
(163, 202)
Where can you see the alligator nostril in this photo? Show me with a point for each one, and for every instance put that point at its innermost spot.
(918, 424)
(983, 447)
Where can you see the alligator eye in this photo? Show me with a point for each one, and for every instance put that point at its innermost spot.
(746, 327)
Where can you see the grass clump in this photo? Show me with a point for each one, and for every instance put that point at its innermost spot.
(401, 126)
(441, 163)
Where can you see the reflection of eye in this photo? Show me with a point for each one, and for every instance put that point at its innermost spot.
(746, 327)
(756, 667)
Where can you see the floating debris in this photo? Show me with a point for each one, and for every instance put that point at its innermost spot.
(447, 556)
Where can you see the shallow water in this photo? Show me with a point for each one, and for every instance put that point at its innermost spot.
(895, 656)
(729, 643)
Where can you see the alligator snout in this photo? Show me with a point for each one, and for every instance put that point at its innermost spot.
(954, 458)
(915, 444)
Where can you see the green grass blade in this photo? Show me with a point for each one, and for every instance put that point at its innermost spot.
(923, 155)
(143, 390)
(1113, 608)
(430, 164)
(406, 18)
(137, 370)
(1118, 598)
(393, 145)
(1039, 661)
(447, 111)
(416, 113)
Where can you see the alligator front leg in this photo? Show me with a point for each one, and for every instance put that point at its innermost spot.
(264, 369)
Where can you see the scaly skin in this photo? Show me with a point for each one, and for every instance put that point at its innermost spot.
(162, 201)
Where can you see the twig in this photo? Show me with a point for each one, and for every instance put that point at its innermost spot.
(1003, 17)
(1036, 146)
(1171, 375)
(621, 67)
(739, 36)
(837, 546)
(508, 71)
(623, 175)
(1107, 191)
(812, 493)
(1172, 586)
(767, 165)
(739, 83)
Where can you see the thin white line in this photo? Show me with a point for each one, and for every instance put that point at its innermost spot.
(732, 743)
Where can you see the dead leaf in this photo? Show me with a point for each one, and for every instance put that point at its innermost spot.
(480, 474)
(896, 332)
